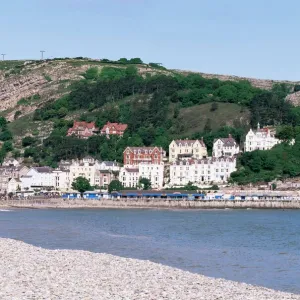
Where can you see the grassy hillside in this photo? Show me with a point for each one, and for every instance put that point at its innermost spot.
(193, 119)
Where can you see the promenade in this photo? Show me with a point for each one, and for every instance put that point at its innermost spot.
(45, 203)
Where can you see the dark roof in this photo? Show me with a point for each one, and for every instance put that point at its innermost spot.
(110, 163)
(189, 142)
(229, 142)
(43, 169)
(132, 170)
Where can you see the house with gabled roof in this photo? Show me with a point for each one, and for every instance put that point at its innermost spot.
(225, 147)
(113, 129)
(187, 149)
(83, 130)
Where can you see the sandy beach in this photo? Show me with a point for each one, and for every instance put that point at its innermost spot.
(28, 272)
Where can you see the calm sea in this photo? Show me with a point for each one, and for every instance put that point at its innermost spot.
(260, 247)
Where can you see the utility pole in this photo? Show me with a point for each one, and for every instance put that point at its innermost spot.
(3, 56)
(42, 53)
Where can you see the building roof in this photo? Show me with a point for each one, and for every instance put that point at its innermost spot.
(132, 170)
(144, 149)
(110, 163)
(83, 124)
(229, 142)
(43, 169)
(208, 160)
(189, 142)
(116, 126)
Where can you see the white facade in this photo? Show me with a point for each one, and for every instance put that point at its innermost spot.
(62, 179)
(41, 177)
(225, 147)
(109, 166)
(129, 176)
(260, 139)
(10, 162)
(14, 185)
(204, 171)
(153, 172)
(87, 168)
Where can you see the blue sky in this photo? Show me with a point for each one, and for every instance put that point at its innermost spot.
(257, 38)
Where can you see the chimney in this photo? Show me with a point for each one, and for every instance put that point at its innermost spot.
(229, 135)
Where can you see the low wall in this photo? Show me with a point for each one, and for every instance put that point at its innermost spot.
(155, 203)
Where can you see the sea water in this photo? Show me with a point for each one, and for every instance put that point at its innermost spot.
(260, 247)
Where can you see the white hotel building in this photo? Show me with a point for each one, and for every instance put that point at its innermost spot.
(203, 171)
(130, 175)
(261, 139)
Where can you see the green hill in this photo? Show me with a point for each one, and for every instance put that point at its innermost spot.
(41, 99)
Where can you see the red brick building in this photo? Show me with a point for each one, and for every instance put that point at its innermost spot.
(83, 130)
(135, 155)
(113, 129)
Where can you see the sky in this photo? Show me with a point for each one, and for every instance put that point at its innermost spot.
(257, 38)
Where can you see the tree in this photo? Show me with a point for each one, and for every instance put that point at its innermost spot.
(28, 141)
(6, 135)
(286, 133)
(190, 187)
(7, 146)
(145, 183)
(62, 112)
(3, 122)
(214, 106)
(115, 185)
(123, 60)
(135, 61)
(297, 88)
(81, 184)
(207, 127)
(91, 73)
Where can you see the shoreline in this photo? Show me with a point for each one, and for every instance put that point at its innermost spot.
(28, 272)
(161, 204)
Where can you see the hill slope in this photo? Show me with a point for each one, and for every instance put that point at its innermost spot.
(51, 79)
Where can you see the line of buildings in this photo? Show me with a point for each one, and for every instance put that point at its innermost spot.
(188, 163)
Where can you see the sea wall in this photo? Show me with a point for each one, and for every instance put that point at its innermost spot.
(154, 203)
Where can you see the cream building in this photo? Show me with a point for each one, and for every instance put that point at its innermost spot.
(187, 149)
(204, 171)
(261, 139)
(225, 147)
(87, 168)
